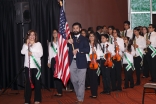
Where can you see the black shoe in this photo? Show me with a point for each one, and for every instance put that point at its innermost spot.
(125, 87)
(119, 90)
(113, 90)
(131, 86)
(105, 92)
(93, 97)
(58, 95)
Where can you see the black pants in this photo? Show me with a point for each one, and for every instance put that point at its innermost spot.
(58, 82)
(36, 83)
(87, 82)
(93, 81)
(116, 76)
(145, 66)
(105, 77)
(128, 77)
(152, 64)
(137, 65)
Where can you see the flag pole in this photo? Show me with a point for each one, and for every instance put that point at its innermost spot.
(70, 34)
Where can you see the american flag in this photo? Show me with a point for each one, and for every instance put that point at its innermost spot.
(62, 61)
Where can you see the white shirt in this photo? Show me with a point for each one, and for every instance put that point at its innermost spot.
(110, 49)
(141, 42)
(37, 52)
(77, 38)
(52, 53)
(129, 33)
(129, 56)
(145, 36)
(97, 50)
(121, 45)
(153, 39)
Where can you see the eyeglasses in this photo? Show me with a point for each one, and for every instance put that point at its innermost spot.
(149, 27)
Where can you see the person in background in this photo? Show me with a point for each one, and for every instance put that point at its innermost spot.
(53, 46)
(104, 30)
(150, 50)
(128, 32)
(98, 33)
(84, 33)
(145, 62)
(141, 30)
(32, 49)
(139, 44)
(110, 33)
(90, 29)
(129, 52)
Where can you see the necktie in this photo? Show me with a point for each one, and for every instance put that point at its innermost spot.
(149, 35)
(103, 48)
(125, 33)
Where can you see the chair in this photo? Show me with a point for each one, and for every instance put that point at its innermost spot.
(148, 86)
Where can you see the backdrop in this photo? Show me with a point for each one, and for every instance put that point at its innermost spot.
(44, 18)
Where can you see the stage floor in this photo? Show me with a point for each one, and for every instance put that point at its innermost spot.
(127, 96)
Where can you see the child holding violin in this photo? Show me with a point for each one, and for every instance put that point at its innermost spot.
(93, 63)
(106, 53)
(116, 71)
(128, 63)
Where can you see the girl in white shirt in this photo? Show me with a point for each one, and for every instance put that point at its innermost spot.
(94, 48)
(104, 69)
(145, 62)
(116, 71)
(128, 65)
(139, 45)
(33, 52)
(53, 46)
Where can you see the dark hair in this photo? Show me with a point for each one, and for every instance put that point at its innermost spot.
(90, 29)
(98, 28)
(145, 28)
(103, 26)
(152, 26)
(105, 35)
(130, 42)
(76, 23)
(137, 29)
(95, 39)
(127, 22)
(28, 34)
(85, 32)
(118, 32)
(52, 37)
(112, 27)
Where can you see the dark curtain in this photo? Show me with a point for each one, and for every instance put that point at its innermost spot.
(44, 18)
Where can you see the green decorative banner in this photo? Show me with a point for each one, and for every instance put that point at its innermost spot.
(140, 19)
(140, 5)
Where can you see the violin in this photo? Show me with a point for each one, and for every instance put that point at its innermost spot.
(93, 64)
(117, 57)
(108, 62)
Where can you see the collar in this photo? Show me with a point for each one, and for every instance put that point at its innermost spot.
(128, 29)
(77, 36)
(136, 37)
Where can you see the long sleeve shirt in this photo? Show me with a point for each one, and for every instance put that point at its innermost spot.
(52, 51)
(37, 52)
(129, 56)
(97, 50)
(121, 45)
(110, 49)
(153, 39)
(141, 42)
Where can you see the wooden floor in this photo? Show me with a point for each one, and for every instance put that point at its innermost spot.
(127, 96)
